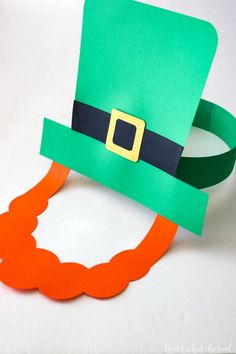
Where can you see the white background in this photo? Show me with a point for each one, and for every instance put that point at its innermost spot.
(188, 298)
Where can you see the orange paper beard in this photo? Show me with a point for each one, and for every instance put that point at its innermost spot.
(27, 267)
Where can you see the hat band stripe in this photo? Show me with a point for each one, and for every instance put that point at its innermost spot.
(155, 149)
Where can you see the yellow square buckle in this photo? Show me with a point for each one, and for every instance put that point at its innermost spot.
(139, 124)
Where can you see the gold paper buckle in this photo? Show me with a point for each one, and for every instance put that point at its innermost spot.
(139, 124)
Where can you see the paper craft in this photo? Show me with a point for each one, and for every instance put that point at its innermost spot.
(141, 74)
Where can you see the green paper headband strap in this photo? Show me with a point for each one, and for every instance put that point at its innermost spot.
(203, 172)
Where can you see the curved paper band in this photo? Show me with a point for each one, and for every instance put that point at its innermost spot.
(25, 266)
(202, 172)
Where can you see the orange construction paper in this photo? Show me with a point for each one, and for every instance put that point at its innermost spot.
(25, 267)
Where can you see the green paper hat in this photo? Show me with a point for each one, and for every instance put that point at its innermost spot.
(141, 74)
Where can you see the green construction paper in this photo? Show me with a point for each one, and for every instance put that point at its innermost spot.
(202, 172)
(145, 61)
(154, 188)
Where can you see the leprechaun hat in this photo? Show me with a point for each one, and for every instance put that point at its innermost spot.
(141, 74)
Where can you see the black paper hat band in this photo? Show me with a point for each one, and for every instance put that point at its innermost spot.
(200, 172)
(155, 149)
